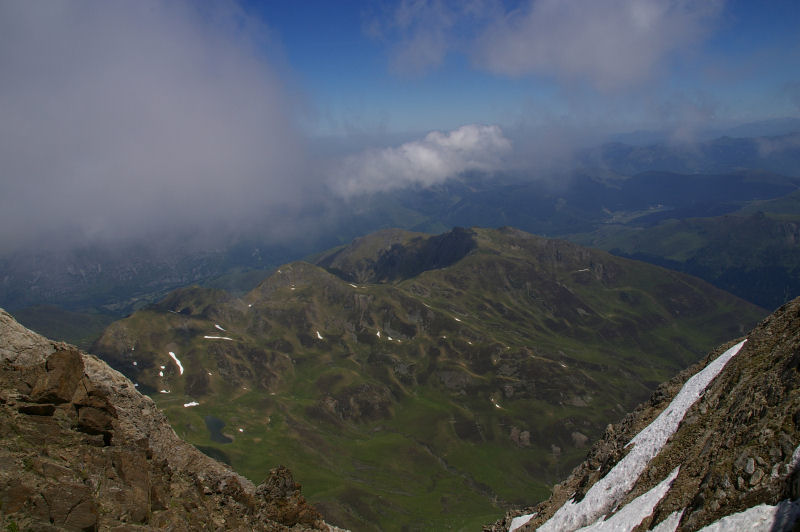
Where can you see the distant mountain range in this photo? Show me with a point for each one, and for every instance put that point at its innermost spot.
(416, 380)
(663, 192)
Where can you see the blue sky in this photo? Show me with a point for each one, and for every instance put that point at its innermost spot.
(739, 63)
(141, 115)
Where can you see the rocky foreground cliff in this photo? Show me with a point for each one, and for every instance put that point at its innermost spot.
(716, 448)
(82, 449)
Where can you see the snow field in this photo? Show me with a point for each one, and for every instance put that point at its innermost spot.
(606, 493)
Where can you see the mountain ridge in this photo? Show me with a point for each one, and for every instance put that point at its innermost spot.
(735, 448)
(522, 349)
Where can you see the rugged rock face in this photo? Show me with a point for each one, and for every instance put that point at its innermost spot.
(736, 447)
(81, 449)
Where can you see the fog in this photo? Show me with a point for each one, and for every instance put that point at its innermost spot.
(126, 119)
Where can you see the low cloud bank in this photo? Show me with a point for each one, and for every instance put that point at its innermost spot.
(428, 161)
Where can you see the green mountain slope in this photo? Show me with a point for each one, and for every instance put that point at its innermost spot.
(428, 382)
(751, 254)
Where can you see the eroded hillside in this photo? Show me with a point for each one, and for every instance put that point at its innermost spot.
(422, 381)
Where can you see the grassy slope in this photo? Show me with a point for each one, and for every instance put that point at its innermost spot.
(522, 335)
(751, 254)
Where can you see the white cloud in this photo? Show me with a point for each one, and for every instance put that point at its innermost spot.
(424, 32)
(122, 118)
(609, 43)
(433, 159)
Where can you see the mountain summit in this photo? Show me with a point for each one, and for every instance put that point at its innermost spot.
(716, 448)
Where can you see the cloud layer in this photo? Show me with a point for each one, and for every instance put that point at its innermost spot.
(433, 159)
(118, 119)
(609, 43)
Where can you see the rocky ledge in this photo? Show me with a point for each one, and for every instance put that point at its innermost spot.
(82, 449)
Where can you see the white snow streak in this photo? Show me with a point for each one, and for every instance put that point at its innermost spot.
(217, 325)
(670, 524)
(319, 336)
(609, 490)
(164, 391)
(795, 461)
(161, 373)
(633, 513)
(189, 405)
(354, 286)
(761, 518)
(519, 521)
(218, 338)
(178, 362)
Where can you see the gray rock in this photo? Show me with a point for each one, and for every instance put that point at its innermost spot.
(750, 466)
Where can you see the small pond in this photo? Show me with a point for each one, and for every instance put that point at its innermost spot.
(214, 426)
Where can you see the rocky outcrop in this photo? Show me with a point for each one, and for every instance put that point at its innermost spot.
(81, 449)
(737, 446)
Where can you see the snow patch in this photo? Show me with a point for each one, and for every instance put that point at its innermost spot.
(319, 336)
(354, 286)
(670, 524)
(456, 319)
(217, 325)
(379, 334)
(609, 490)
(178, 362)
(161, 373)
(795, 461)
(633, 513)
(761, 518)
(189, 405)
(389, 338)
(241, 430)
(164, 391)
(218, 338)
(135, 363)
(519, 521)
(249, 305)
